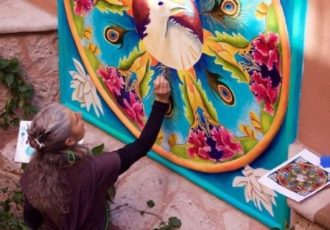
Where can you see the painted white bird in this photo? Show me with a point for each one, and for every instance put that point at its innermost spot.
(171, 31)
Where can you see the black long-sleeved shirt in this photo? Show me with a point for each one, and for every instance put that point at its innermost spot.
(90, 179)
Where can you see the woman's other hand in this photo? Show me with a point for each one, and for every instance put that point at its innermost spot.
(162, 89)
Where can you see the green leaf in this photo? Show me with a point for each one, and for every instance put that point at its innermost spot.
(174, 222)
(236, 72)
(105, 7)
(271, 21)
(4, 63)
(180, 150)
(150, 203)
(24, 88)
(97, 150)
(126, 62)
(144, 85)
(248, 143)
(188, 112)
(2, 76)
(208, 105)
(92, 58)
(266, 121)
(14, 66)
(236, 40)
(9, 79)
(165, 227)
(17, 197)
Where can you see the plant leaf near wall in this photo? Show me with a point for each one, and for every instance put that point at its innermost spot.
(18, 104)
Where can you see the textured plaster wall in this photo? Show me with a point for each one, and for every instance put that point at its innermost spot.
(314, 116)
(38, 55)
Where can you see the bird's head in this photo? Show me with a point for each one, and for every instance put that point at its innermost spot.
(169, 8)
(183, 12)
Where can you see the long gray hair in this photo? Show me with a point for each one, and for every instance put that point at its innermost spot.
(49, 190)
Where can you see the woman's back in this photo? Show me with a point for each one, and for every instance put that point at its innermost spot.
(89, 178)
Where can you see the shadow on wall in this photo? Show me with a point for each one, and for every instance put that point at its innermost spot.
(314, 113)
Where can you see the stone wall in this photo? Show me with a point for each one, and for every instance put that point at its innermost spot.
(38, 55)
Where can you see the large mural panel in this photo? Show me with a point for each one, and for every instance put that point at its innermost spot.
(228, 63)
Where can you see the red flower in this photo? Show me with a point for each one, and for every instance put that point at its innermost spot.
(112, 79)
(266, 50)
(264, 92)
(81, 7)
(197, 141)
(225, 142)
(134, 109)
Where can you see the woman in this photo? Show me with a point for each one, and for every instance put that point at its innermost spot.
(64, 186)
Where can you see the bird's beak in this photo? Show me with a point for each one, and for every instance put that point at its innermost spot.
(177, 10)
(178, 6)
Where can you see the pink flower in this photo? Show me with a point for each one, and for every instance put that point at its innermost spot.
(266, 50)
(197, 141)
(264, 92)
(134, 109)
(112, 79)
(225, 142)
(81, 7)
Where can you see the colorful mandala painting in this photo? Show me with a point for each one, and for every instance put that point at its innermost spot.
(229, 78)
(234, 67)
(301, 176)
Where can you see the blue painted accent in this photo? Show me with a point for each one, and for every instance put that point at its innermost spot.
(325, 161)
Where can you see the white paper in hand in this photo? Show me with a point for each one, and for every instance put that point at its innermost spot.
(24, 151)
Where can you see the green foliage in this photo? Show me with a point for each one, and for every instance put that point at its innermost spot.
(8, 221)
(21, 93)
(98, 150)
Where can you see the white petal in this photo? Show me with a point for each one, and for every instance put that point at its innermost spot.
(88, 101)
(239, 181)
(256, 185)
(79, 67)
(248, 192)
(87, 88)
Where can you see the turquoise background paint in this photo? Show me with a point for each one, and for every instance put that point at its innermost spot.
(219, 184)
